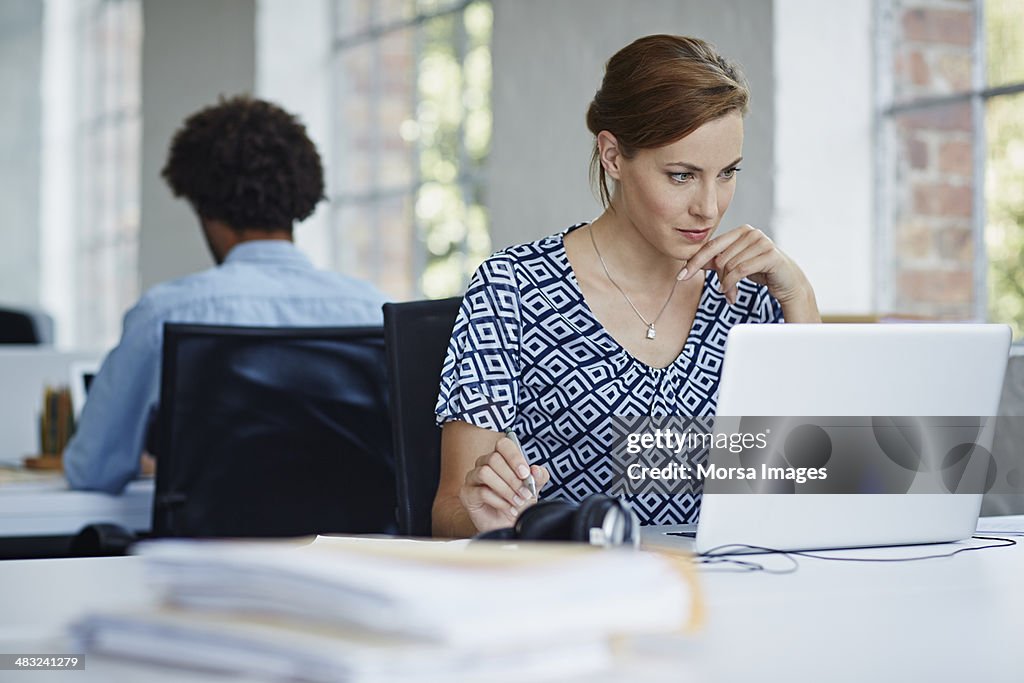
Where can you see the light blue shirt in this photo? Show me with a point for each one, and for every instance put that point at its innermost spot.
(263, 282)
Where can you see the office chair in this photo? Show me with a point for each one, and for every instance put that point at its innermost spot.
(25, 327)
(416, 335)
(273, 432)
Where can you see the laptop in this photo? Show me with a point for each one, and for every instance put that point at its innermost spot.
(929, 369)
(81, 375)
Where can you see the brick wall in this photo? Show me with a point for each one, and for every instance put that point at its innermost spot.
(932, 196)
(374, 166)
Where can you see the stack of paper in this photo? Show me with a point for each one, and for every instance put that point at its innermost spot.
(361, 610)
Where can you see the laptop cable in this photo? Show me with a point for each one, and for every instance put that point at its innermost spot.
(719, 555)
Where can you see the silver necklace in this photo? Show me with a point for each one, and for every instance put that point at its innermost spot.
(651, 333)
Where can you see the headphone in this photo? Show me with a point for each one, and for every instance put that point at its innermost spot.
(599, 520)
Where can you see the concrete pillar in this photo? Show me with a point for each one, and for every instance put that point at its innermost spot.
(548, 61)
(21, 55)
(194, 51)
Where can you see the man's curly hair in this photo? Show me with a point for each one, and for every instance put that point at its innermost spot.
(246, 162)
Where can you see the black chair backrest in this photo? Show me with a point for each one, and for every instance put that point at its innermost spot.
(273, 432)
(417, 334)
(17, 327)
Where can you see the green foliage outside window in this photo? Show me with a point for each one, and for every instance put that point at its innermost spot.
(454, 131)
(1004, 170)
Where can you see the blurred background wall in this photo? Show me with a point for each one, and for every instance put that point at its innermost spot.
(883, 147)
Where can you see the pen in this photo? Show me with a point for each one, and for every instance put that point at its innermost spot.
(530, 482)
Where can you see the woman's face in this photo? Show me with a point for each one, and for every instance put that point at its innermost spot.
(675, 195)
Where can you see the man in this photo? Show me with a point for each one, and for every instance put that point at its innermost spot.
(250, 172)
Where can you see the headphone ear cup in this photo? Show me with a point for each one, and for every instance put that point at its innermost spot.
(505, 534)
(591, 514)
(548, 520)
(631, 533)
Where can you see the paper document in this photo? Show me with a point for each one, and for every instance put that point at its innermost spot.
(285, 650)
(373, 609)
(434, 591)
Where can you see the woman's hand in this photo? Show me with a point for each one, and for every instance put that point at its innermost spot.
(746, 252)
(494, 493)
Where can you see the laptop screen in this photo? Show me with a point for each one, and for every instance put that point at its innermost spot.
(81, 377)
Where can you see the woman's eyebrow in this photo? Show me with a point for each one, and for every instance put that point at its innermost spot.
(698, 169)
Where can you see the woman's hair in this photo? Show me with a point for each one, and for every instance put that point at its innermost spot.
(246, 162)
(657, 90)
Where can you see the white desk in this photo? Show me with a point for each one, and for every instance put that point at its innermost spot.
(48, 508)
(955, 619)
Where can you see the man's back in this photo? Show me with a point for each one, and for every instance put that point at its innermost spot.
(264, 282)
(261, 282)
(250, 172)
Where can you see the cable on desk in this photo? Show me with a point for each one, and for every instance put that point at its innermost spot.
(1003, 543)
(741, 566)
(716, 555)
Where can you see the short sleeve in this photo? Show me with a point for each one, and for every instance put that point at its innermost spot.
(767, 308)
(480, 375)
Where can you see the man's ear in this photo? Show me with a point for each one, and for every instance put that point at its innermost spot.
(609, 154)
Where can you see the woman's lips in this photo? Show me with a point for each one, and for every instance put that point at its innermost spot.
(694, 235)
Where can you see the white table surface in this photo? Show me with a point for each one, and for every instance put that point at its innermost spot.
(952, 619)
(46, 507)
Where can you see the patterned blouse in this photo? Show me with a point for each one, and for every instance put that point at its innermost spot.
(528, 354)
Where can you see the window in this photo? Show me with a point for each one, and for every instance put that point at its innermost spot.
(412, 127)
(951, 157)
(92, 88)
(1004, 157)
(405, 138)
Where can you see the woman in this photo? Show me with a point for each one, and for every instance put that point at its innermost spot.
(626, 315)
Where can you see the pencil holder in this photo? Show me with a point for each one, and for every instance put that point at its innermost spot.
(56, 425)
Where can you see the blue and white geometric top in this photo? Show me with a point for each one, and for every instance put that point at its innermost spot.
(528, 354)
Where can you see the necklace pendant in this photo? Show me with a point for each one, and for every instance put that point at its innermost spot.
(651, 334)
